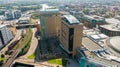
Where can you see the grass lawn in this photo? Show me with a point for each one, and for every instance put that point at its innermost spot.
(32, 56)
(55, 61)
(58, 61)
(3, 59)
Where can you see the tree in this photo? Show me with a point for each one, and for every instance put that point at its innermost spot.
(2, 55)
(86, 11)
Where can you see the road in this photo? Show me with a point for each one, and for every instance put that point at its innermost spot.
(14, 39)
(17, 51)
(34, 43)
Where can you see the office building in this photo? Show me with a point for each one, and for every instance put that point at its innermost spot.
(9, 15)
(92, 21)
(50, 21)
(16, 14)
(5, 34)
(12, 14)
(1, 45)
(71, 34)
(38, 27)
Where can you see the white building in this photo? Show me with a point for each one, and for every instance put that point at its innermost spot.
(5, 35)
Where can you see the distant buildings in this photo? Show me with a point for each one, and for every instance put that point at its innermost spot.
(10, 15)
(50, 21)
(71, 34)
(17, 14)
(2, 17)
(114, 9)
(24, 20)
(92, 21)
(5, 35)
(2, 11)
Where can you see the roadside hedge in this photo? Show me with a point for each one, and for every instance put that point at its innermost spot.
(27, 44)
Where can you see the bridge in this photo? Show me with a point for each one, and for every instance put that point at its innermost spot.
(21, 26)
(11, 59)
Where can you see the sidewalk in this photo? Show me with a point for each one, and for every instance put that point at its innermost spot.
(37, 64)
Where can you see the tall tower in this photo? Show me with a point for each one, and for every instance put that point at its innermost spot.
(50, 21)
(71, 34)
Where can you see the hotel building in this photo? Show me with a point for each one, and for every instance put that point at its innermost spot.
(71, 34)
(50, 21)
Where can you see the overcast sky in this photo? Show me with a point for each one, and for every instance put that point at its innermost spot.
(8, 1)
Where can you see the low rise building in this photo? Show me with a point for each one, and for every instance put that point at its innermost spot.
(112, 21)
(110, 30)
(98, 50)
(92, 21)
(24, 20)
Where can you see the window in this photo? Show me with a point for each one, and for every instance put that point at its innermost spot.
(71, 34)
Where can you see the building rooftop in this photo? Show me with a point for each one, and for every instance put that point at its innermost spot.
(3, 25)
(24, 18)
(46, 8)
(104, 55)
(90, 45)
(111, 27)
(71, 19)
(98, 36)
(91, 57)
(112, 21)
(100, 55)
(94, 17)
(114, 42)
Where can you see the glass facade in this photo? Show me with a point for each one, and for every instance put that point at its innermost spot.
(71, 34)
(84, 62)
(43, 27)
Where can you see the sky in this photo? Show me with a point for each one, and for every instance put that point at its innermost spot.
(9, 1)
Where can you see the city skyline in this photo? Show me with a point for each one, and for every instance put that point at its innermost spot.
(59, 33)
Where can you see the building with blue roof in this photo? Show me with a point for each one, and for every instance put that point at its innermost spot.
(92, 21)
(71, 19)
